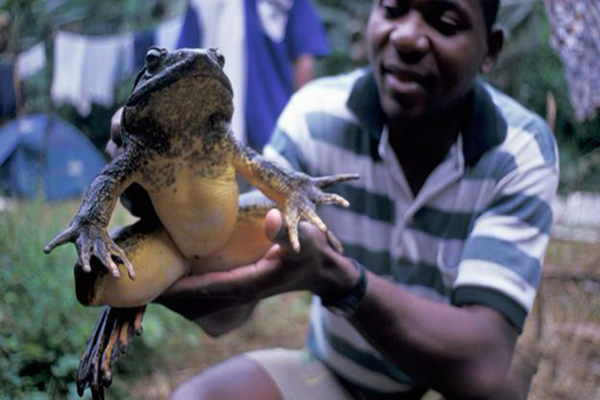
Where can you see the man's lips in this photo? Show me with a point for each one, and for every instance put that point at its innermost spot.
(404, 81)
(405, 75)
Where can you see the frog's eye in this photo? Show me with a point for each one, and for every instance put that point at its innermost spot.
(218, 56)
(153, 58)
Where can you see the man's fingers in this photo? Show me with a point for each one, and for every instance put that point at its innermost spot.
(277, 231)
(274, 226)
(213, 284)
(241, 283)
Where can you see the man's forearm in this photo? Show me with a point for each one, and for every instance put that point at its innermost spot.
(215, 317)
(462, 352)
(304, 70)
(192, 309)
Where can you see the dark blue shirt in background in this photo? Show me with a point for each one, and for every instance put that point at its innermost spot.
(277, 33)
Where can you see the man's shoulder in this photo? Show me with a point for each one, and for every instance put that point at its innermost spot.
(517, 115)
(341, 83)
(524, 123)
(325, 96)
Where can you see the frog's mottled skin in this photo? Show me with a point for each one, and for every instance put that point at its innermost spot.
(179, 148)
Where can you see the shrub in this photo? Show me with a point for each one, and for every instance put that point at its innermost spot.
(43, 329)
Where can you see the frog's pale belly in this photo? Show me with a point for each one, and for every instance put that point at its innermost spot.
(199, 213)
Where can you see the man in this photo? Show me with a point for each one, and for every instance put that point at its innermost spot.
(444, 238)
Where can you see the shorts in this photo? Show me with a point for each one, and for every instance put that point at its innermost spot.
(300, 376)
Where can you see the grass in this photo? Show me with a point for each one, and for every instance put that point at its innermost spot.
(43, 330)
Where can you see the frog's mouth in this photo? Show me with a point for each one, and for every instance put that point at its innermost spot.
(199, 67)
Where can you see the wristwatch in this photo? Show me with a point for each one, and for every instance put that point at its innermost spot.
(346, 305)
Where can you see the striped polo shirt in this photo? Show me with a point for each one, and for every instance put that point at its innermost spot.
(476, 232)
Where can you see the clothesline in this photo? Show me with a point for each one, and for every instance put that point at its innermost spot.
(88, 68)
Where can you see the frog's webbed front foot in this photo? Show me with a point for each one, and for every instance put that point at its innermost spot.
(91, 240)
(110, 339)
(301, 200)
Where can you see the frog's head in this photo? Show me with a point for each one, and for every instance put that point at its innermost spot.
(177, 93)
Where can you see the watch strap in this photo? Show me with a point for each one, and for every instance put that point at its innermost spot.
(347, 304)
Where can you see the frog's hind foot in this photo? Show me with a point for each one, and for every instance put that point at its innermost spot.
(112, 334)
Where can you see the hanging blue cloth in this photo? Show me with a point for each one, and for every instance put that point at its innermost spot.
(191, 32)
(142, 41)
(7, 90)
(275, 37)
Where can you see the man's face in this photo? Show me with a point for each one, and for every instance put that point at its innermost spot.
(426, 54)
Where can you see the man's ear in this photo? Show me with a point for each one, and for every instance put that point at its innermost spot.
(495, 40)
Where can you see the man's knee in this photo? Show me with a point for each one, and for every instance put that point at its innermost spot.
(237, 378)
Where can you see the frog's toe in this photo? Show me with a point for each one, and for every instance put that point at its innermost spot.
(335, 242)
(120, 255)
(110, 339)
(332, 198)
(67, 235)
(101, 251)
(316, 221)
(292, 219)
(329, 180)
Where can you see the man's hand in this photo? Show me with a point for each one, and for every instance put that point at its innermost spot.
(317, 268)
(135, 198)
(114, 147)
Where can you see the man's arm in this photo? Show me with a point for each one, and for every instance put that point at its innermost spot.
(304, 70)
(463, 352)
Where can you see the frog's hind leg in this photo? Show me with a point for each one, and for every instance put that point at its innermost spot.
(110, 339)
(157, 261)
(158, 264)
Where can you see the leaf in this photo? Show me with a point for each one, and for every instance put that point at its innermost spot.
(66, 365)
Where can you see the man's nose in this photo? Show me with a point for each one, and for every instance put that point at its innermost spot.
(409, 36)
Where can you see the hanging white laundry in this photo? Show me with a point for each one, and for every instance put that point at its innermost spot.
(86, 69)
(167, 32)
(104, 64)
(31, 61)
(67, 76)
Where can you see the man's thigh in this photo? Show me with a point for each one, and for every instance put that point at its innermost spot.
(237, 378)
(298, 375)
(273, 374)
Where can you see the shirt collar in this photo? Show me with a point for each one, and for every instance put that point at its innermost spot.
(485, 127)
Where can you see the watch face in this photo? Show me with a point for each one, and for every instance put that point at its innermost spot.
(340, 312)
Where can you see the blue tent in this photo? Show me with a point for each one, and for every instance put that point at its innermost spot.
(45, 155)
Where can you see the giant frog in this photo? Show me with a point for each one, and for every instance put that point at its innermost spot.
(177, 146)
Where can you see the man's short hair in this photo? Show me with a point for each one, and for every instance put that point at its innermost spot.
(490, 12)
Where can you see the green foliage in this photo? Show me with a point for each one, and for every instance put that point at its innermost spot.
(43, 330)
(530, 70)
(345, 24)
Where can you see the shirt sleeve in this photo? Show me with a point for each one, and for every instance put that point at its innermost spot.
(305, 33)
(502, 260)
(291, 144)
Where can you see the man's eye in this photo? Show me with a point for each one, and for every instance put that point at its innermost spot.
(445, 24)
(392, 8)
